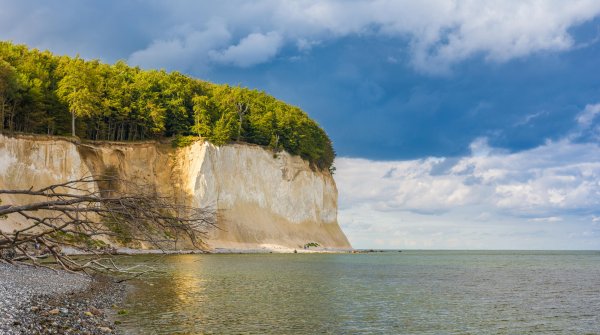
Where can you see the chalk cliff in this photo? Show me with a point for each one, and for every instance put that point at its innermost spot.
(264, 199)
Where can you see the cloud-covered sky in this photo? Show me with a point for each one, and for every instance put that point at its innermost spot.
(458, 124)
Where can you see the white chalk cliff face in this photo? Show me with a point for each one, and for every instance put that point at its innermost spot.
(263, 200)
(33, 162)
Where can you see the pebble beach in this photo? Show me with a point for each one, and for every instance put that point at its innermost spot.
(42, 301)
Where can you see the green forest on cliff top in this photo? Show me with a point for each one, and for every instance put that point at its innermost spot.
(59, 95)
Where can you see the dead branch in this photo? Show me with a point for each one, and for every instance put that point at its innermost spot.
(81, 213)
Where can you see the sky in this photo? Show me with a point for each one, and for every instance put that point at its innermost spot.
(457, 124)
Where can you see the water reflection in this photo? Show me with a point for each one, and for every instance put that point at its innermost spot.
(250, 294)
(188, 280)
(390, 293)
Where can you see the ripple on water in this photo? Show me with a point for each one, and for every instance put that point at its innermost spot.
(414, 292)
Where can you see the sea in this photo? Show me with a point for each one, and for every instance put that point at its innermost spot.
(390, 292)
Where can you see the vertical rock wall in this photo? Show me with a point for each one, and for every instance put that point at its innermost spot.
(264, 200)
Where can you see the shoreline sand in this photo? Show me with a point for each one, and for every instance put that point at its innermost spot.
(259, 249)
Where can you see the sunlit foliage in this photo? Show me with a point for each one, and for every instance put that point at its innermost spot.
(60, 95)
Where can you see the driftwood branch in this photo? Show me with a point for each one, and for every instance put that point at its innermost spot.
(83, 213)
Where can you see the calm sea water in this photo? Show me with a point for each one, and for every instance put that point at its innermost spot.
(411, 292)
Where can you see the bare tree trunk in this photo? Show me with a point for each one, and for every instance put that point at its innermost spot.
(109, 131)
(2, 107)
(242, 109)
(11, 117)
(73, 123)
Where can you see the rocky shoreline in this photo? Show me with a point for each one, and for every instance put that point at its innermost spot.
(42, 301)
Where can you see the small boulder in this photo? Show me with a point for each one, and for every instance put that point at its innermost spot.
(95, 311)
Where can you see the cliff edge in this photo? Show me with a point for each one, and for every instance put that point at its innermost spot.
(264, 200)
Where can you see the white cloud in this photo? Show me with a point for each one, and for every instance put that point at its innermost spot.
(439, 33)
(529, 117)
(186, 50)
(436, 33)
(588, 125)
(587, 116)
(498, 30)
(489, 199)
(547, 219)
(479, 147)
(254, 49)
(558, 176)
(306, 45)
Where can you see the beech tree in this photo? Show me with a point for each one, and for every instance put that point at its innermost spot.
(224, 130)
(8, 89)
(44, 93)
(76, 89)
(203, 122)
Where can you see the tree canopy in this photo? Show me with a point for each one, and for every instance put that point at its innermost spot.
(59, 95)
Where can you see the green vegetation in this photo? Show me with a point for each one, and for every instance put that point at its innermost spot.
(121, 233)
(77, 238)
(59, 95)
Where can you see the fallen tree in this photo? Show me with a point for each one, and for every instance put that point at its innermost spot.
(83, 214)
